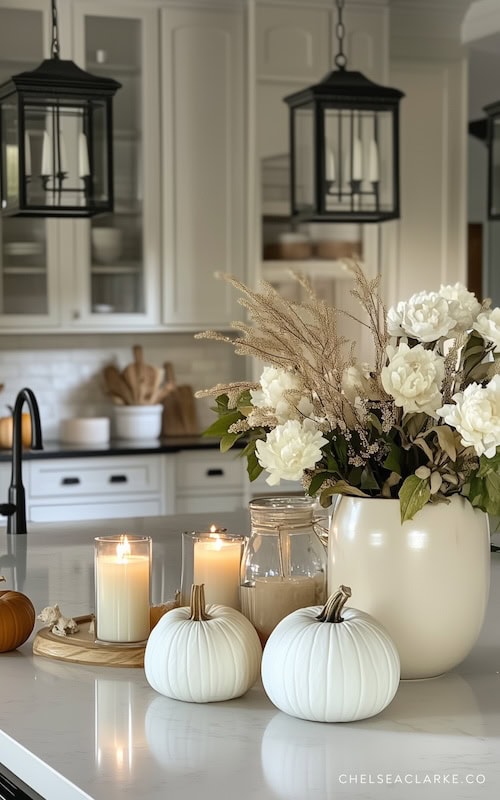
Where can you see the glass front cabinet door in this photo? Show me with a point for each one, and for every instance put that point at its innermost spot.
(70, 274)
(28, 247)
(116, 264)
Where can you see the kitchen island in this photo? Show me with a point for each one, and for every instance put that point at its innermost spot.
(73, 731)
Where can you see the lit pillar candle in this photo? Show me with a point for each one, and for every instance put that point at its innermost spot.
(330, 165)
(373, 169)
(212, 558)
(47, 166)
(83, 156)
(357, 160)
(122, 584)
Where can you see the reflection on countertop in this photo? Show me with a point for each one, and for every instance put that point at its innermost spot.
(120, 447)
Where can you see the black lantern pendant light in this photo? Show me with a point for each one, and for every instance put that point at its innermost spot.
(493, 144)
(344, 146)
(56, 140)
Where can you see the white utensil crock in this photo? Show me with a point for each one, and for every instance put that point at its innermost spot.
(426, 580)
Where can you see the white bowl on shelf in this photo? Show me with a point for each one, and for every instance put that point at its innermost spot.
(138, 422)
(84, 430)
(106, 244)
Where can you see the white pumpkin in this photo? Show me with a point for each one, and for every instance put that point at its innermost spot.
(331, 664)
(202, 655)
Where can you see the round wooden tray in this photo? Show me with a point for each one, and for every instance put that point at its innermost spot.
(82, 648)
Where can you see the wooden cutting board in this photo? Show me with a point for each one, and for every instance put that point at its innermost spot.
(180, 416)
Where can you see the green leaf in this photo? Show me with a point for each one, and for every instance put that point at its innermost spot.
(420, 442)
(446, 441)
(221, 425)
(413, 496)
(254, 469)
(331, 464)
(341, 487)
(228, 440)
(393, 460)
(368, 480)
(222, 401)
(317, 481)
(484, 493)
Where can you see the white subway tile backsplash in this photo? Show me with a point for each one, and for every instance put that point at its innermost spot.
(67, 379)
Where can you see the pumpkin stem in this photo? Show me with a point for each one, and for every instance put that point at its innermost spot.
(331, 612)
(197, 603)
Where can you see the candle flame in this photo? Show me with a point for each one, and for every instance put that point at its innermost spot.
(123, 548)
(213, 528)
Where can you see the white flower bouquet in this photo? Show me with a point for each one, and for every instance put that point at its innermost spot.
(421, 423)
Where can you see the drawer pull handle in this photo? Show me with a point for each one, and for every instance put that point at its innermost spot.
(214, 472)
(70, 481)
(118, 479)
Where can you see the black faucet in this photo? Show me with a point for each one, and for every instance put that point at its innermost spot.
(15, 509)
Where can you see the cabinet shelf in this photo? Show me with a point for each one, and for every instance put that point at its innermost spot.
(116, 269)
(276, 270)
(111, 70)
(24, 270)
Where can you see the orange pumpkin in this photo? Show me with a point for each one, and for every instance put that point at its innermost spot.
(6, 431)
(17, 619)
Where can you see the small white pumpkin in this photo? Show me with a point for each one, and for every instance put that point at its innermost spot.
(202, 655)
(331, 664)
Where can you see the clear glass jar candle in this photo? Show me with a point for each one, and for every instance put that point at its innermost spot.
(284, 562)
(213, 558)
(122, 571)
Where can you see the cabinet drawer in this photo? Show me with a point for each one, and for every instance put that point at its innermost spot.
(94, 476)
(62, 512)
(207, 472)
(204, 504)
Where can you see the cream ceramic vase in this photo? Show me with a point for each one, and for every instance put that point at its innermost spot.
(426, 580)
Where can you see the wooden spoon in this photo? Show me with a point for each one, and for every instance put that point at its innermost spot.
(116, 386)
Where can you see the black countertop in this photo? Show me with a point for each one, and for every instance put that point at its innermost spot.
(118, 447)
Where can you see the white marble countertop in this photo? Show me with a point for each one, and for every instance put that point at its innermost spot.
(74, 732)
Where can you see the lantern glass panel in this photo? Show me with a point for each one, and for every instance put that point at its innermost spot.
(359, 172)
(304, 184)
(10, 153)
(495, 167)
(101, 149)
(58, 157)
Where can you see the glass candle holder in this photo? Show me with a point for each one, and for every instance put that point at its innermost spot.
(122, 571)
(212, 558)
(284, 563)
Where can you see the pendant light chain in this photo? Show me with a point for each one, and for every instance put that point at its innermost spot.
(340, 58)
(55, 32)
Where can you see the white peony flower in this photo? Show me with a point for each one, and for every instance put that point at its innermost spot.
(475, 413)
(290, 449)
(425, 316)
(275, 382)
(463, 305)
(395, 319)
(356, 382)
(413, 377)
(488, 326)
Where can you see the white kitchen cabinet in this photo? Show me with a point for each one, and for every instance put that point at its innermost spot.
(75, 274)
(202, 96)
(99, 487)
(29, 290)
(179, 208)
(209, 481)
(294, 47)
